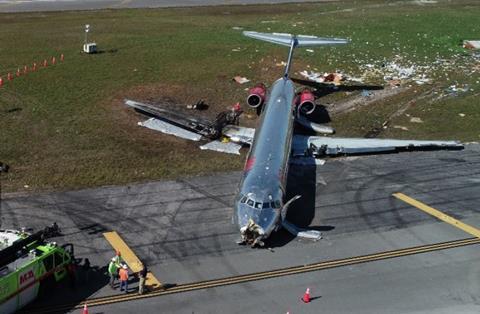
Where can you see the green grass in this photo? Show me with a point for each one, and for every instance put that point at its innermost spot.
(65, 126)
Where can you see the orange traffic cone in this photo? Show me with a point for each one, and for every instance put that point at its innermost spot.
(34, 68)
(25, 69)
(9, 76)
(85, 309)
(61, 57)
(1, 81)
(54, 60)
(18, 72)
(306, 296)
(45, 63)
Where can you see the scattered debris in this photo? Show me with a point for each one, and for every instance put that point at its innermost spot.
(237, 28)
(416, 120)
(281, 64)
(199, 105)
(334, 78)
(471, 44)
(461, 115)
(366, 93)
(454, 90)
(241, 80)
(236, 49)
(401, 127)
(309, 50)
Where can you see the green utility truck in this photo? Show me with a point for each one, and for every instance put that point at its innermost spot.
(28, 265)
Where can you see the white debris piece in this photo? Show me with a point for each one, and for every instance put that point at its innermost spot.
(401, 127)
(471, 44)
(416, 120)
(229, 147)
(168, 128)
(241, 80)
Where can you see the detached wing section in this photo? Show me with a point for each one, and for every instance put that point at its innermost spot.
(332, 146)
(196, 129)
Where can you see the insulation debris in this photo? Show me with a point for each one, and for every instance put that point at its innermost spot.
(241, 80)
(218, 146)
(168, 128)
(334, 78)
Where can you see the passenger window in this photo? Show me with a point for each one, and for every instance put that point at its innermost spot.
(48, 262)
(250, 202)
(277, 204)
(266, 205)
(272, 205)
(258, 205)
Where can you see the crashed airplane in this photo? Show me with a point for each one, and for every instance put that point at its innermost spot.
(260, 206)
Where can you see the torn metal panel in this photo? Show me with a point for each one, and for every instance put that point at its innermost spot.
(229, 147)
(319, 146)
(168, 128)
(239, 134)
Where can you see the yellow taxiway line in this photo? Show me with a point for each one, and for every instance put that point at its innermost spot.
(130, 258)
(436, 213)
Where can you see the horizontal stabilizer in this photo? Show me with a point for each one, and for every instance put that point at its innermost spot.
(332, 146)
(300, 40)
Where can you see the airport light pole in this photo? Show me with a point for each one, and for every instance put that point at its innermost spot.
(87, 29)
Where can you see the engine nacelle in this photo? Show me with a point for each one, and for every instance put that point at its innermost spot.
(256, 96)
(306, 102)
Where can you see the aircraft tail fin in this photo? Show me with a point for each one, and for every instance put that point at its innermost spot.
(298, 40)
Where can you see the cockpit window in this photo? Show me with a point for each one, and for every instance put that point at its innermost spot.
(244, 199)
(258, 205)
(266, 205)
(250, 202)
(272, 204)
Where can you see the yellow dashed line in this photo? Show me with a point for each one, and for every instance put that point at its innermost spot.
(436, 213)
(130, 258)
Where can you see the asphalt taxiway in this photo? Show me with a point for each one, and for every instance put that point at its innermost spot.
(378, 254)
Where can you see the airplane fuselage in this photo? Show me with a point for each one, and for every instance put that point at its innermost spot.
(262, 188)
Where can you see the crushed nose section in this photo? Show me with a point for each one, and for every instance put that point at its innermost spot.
(252, 234)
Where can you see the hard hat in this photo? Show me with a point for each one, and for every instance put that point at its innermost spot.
(124, 266)
(113, 259)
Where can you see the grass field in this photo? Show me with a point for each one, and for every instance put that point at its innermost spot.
(65, 126)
